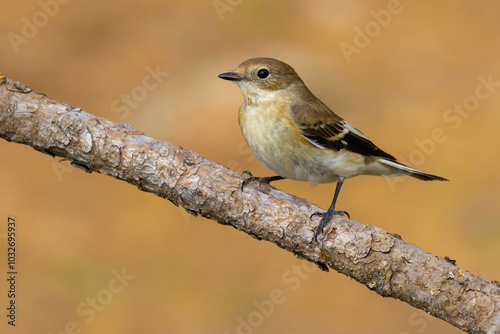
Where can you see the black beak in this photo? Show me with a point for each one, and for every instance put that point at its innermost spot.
(230, 76)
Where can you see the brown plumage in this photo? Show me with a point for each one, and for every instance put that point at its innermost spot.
(297, 136)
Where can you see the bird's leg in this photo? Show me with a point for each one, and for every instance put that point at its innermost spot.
(261, 180)
(328, 215)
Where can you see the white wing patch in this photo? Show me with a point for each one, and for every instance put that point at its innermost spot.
(352, 129)
(314, 143)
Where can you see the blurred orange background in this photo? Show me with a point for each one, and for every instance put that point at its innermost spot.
(393, 69)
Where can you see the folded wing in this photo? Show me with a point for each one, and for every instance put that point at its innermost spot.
(323, 128)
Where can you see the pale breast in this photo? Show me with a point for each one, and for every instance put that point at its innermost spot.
(280, 146)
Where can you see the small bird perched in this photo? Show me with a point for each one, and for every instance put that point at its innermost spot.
(298, 137)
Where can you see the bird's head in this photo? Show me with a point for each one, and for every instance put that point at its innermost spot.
(260, 77)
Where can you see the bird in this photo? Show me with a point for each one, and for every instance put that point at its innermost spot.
(298, 137)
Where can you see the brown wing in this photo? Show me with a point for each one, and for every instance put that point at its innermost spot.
(324, 128)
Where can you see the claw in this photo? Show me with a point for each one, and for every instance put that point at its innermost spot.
(326, 218)
(246, 172)
(250, 178)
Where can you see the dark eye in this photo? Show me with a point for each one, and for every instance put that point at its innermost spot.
(263, 73)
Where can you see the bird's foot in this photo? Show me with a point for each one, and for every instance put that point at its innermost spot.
(261, 180)
(326, 218)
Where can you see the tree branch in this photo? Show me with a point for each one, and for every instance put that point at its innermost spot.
(384, 263)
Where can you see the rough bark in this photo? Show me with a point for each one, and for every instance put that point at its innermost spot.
(384, 263)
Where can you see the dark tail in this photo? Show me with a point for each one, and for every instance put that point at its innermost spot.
(413, 172)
